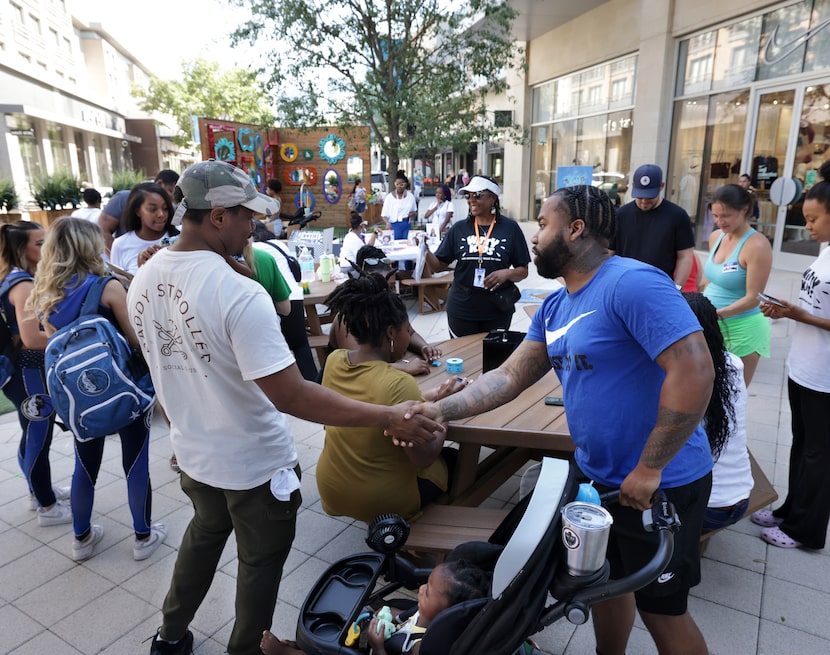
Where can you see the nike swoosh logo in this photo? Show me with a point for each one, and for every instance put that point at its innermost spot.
(552, 336)
(775, 52)
(665, 577)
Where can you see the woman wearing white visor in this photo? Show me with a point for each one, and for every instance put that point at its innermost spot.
(491, 255)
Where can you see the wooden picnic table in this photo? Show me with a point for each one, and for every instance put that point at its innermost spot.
(517, 432)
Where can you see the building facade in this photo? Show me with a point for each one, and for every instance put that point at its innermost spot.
(707, 89)
(65, 101)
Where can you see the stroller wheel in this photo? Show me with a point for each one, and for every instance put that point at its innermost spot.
(387, 533)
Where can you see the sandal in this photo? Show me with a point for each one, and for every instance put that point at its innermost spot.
(777, 537)
(765, 518)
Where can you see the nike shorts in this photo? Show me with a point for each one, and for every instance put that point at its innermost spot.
(630, 548)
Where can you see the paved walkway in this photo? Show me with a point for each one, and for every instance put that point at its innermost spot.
(753, 599)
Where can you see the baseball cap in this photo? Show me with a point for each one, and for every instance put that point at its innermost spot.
(480, 183)
(647, 181)
(210, 184)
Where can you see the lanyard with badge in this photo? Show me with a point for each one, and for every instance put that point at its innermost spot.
(480, 273)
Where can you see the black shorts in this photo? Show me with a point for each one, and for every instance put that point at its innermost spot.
(630, 547)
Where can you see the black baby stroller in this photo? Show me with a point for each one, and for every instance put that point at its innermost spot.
(527, 567)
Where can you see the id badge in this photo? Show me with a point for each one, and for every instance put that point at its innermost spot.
(478, 278)
(730, 267)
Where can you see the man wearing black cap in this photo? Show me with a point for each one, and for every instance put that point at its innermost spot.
(653, 229)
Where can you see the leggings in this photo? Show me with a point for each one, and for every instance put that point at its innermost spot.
(27, 390)
(135, 441)
(293, 329)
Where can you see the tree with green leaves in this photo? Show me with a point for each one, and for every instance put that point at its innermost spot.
(205, 90)
(417, 72)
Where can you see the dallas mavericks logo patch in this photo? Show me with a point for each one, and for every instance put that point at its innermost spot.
(93, 382)
(37, 407)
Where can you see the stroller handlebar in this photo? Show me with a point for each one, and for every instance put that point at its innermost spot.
(662, 518)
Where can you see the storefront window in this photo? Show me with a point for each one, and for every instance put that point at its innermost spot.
(103, 160)
(27, 141)
(583, 132)
(541, 157)
(590, 145)
(736, 54)
(784, 45)
(697, 58)
(707, 143)
(818, 47)
(57, 146)
(567, 96)
(786, 41)
(543, 102)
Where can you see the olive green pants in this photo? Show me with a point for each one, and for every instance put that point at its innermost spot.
(264, 529)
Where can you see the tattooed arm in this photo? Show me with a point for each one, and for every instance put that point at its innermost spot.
(683, 401)
(528, 363)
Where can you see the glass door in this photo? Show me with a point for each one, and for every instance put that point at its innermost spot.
(769, 153)
(811, 151)
(791, 138)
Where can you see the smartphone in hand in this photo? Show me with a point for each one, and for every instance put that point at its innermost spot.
(773, 301)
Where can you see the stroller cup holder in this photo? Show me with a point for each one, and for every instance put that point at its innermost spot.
(529, 569)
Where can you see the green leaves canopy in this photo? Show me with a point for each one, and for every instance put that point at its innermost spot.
(204, 90)
(415, 71)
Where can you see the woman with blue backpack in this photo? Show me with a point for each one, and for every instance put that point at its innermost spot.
(20, 244)
(69, 269)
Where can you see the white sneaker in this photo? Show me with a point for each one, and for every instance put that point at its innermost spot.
(143, 549)
(61, 493)
(82, 550)
(58, 514)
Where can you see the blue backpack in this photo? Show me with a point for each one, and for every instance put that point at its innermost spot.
(97, 382)
(9, 351)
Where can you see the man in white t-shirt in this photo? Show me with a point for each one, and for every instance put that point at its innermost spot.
(92, 199)
(221, 369)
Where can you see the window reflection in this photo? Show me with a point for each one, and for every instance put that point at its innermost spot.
(736, 54)
(706, 153)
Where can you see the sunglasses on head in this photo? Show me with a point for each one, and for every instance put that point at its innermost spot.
(478, 195)
(375, 261)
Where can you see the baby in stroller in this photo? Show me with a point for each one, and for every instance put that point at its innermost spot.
(527, 557)
(449, 583)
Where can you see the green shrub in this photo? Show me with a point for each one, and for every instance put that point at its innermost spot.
(56, 191)
(8, 198)
(127, 179)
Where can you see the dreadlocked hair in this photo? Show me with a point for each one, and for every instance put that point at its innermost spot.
(593, 206)
(720, 414)
(465, 580)
(367, 307)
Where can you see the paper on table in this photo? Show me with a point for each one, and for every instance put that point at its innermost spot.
(422, 258)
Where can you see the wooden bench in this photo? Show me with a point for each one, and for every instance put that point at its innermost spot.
(320, 344)
(432, 292)
(440, 528)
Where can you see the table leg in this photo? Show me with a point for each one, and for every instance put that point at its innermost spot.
(313, 321)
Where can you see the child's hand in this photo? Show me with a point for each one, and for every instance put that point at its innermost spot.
(374, 635)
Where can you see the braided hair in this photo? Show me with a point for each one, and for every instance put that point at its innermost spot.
(465, 581)
(720, 414)
(366, 306)
(593, 206)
